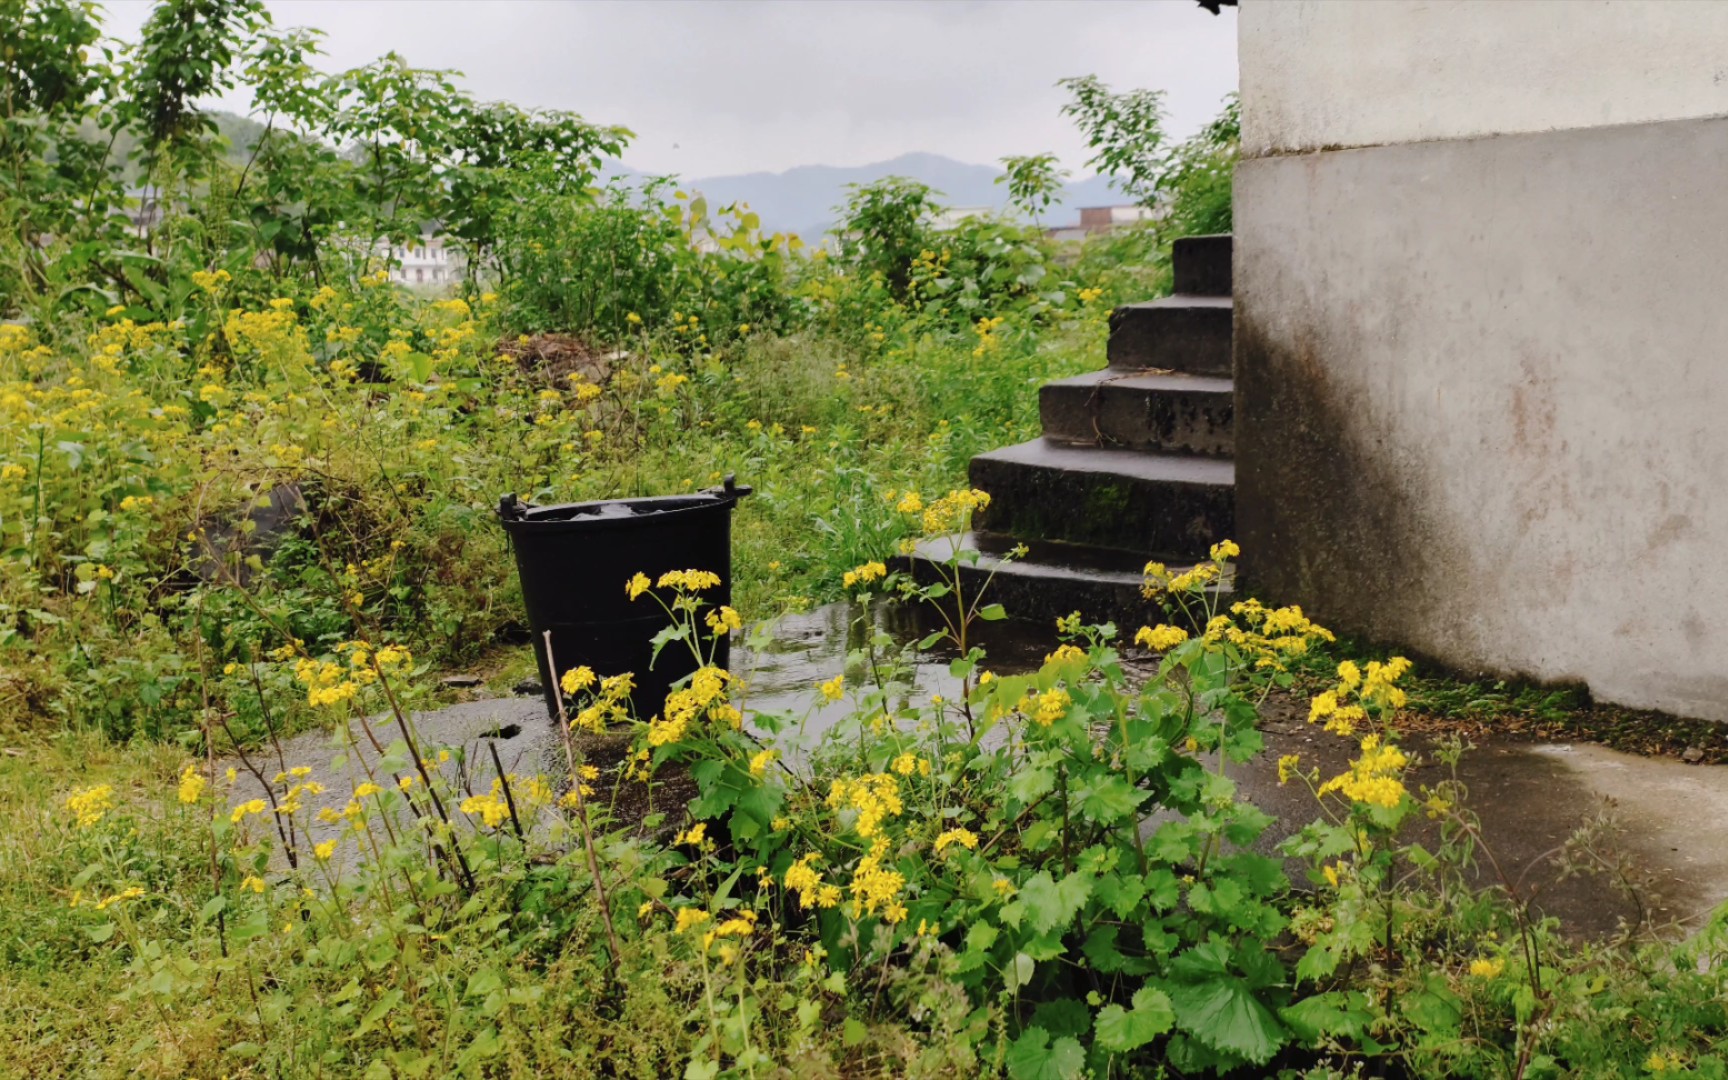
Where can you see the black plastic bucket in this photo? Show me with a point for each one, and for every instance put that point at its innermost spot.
(575, 559)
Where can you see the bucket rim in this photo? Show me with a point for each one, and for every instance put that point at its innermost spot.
(648, 510)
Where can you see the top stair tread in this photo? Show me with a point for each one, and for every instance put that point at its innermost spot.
(1187, 300)
(1132, 464)
(1149, 379)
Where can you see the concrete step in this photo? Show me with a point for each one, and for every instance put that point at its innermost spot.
(1187, 333)
(1173, 413)
(1202, 264)
(1152, 505)
(1053, 580)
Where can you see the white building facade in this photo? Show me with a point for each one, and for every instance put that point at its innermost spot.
(1480, 344)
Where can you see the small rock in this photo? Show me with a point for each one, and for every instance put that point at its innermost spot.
(460, 682)
(528, 688)
(1692, 755)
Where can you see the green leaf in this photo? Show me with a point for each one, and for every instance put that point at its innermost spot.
(993, 613)
(1109, 799)
(853, 1032)
(1338, 1013)
(1034, 1057)
(1063, 1016)
(1050, 903)
(483, 982)
(212, 908)
(1224, 1015)
(1030, 785)
(390, 999)
(1021, 973)
(1121, 1030)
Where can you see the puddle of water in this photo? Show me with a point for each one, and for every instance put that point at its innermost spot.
(780, 678)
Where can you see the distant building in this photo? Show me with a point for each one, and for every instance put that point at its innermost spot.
(431, 263)
(1100, 219)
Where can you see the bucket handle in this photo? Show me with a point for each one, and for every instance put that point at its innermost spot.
(730, 489)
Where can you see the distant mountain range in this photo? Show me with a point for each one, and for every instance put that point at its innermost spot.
(802, 200)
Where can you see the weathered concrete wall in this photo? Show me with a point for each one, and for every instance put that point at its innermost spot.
(1482, 402)
(1340, 73)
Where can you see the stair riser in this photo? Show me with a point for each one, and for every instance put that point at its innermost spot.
(1139, 419)
(1202, 265)
(1158, 518)
(1195, 340)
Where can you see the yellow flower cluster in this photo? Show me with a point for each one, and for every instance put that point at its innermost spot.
(330, 682)
(864, 575)
(192, 784)
(1051, 706)
(875, 886)
(803, 878)
(740, 925)
(986, 329)
(834, 689)
(909, 763)
(688, 580)
(610, 703)
(1357, 692)
(211, 281)
(706, 692)
(577, 679)
(1488, 967)
(1065, 654)
(950, 513)
(247, 809)
(1374, 778)
(1266, 637)
(874, 797)
(724, 620)
(1160, 638)
(90, 805)
(492, 808)
(965, 838)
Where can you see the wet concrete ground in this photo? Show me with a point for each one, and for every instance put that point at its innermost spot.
(1672, 834)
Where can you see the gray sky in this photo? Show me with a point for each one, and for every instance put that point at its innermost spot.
(717, 87)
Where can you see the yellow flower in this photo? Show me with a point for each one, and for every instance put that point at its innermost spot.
(251, 806)
(863, 575)
(723, 620)
(192, 785)
(1374, 777)
(689, 918)
(907, 764)
(253, 882)
(577, 679)
(760, 761)
(875, 797)
(1160, 638)
(693, 836)
(323, 851)
(1287, 767)
(966, 838)
(1225, 549)
(834, 689)
(89, 805)
(1488, 968)
(1052, 705)
(637, 585)
(633, 319)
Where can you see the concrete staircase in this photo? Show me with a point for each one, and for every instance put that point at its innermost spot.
(1134, 463)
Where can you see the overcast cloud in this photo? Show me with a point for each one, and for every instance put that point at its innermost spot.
(714, 87)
